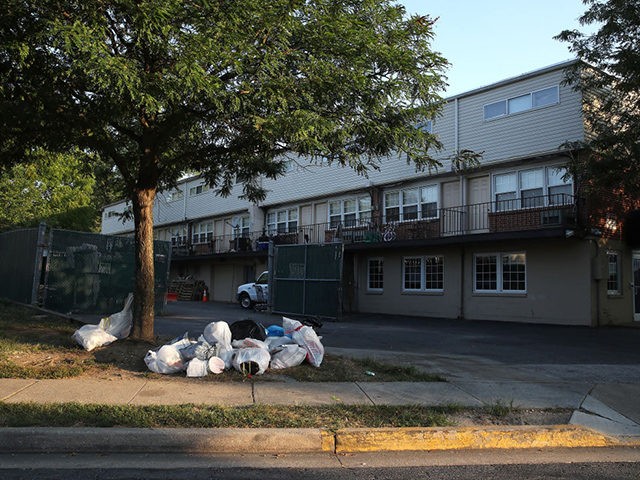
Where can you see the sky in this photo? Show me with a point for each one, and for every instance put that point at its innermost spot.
(490, 40)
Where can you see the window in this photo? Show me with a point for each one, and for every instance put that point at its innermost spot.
(434, 273)
(375, 274)
(412, 274)
(426, 126)
(537, 99)
(532, 188)
(282, 221)
(349, 212)
(500, 273)
(411, 204)
(197, 190)
(613, 274)
(202, 232)
(175, 195)
(241, 227)
(424, 274)
(179, 236)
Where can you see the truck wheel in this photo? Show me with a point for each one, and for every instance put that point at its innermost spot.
(245, 301)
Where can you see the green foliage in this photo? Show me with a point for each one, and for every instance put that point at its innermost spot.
(610, 82)
(226, 88)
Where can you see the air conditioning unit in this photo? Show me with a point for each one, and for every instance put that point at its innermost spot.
(553, 217)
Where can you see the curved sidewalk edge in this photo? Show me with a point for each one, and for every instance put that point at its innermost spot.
(268, 440)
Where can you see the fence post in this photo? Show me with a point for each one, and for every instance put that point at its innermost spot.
(41, 248)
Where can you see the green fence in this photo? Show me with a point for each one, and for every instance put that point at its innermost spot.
(307, 280)
(75, 272)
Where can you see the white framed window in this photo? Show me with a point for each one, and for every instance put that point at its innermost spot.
(350, 212)
(282, 221)
(423, 274)
(179, 235)
(175, 195)
(613, 274)
(198, 189)
(411, 204)
(375, 274)
(500, 272)
(521, 103)
(202, 232)
(531, 188)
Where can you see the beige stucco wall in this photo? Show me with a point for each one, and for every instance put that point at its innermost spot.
(614, 309)
(558, 285)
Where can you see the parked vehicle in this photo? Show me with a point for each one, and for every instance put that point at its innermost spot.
(254, 292)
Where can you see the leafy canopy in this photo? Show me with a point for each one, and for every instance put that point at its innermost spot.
(223, 87)
(610, 81)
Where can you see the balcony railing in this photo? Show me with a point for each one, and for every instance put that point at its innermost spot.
(535, 213)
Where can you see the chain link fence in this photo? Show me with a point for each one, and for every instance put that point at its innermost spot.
(74, 272)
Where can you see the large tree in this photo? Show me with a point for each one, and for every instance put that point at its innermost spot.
(223, 87)
(609, 78)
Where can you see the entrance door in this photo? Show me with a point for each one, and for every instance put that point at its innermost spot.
(636, 286)
(477, 203)
(451, 221)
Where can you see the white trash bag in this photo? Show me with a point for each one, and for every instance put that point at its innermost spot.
(289, 356)
(218, 333)
(92, 336)
(197, 368)
(307, 338)
(119, 324)
(166, 360)
(251, 361)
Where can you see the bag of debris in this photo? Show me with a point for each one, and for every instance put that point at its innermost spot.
(119, 324)
(275, 331)
(288, 356)
(247, 329)
(249, 343)
(217, 332)
(274, 343)
(197, 368)
(225, 353)
(204, 351)
(251, 361)
(166, 360)
(92, 336)
(216, 365)
(307, 338)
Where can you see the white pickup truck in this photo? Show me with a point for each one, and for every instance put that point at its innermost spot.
(255, 292)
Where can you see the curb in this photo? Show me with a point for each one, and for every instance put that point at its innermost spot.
(304, 440)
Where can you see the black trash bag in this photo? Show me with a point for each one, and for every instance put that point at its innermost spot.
(247, 329)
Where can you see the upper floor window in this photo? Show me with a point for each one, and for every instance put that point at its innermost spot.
(175, 195)
(350, 212)
(411, 204)
(179, 235)
(202, 232)
(198, 189)
(426, 126)
(521, 103)
(531, 188)
(242, 226)
(282, 221)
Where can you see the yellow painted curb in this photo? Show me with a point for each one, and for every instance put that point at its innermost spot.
(444, 438)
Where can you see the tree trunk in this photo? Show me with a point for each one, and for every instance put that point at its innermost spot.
(144, 293)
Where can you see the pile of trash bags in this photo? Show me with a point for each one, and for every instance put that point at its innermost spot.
(245, 346)
(111, 328)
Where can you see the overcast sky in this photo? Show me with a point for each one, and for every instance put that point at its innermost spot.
(489, 40)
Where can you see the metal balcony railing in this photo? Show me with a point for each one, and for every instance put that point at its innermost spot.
(533, 213)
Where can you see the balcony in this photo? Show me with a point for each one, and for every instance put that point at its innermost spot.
(537, 214)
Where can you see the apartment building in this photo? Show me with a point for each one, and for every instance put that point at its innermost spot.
(509, 240)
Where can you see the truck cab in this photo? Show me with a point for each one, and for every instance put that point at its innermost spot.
(254, 292)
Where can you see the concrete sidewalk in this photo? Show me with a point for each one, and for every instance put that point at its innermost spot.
(605, 414)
